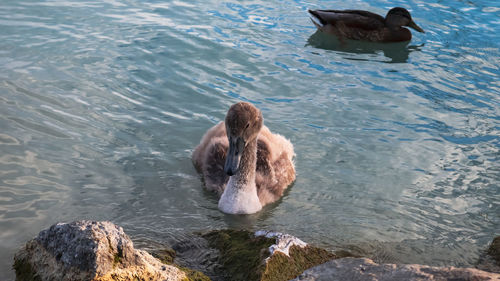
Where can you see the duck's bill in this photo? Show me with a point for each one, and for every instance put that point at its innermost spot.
(236, 146)
(413, 25)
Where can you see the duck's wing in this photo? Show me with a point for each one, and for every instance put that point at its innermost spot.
(265, 178)
(265, 169)
(198, 156)
(275, 169)
(350, 18)
(213, 165)
(209, 158)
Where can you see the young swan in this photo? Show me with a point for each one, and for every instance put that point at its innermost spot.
(242, 160)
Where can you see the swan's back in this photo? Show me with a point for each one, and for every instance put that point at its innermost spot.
(275, 168)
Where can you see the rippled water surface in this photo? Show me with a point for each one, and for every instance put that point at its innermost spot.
(398, 146)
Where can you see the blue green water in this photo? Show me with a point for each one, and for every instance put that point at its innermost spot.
(398, 146)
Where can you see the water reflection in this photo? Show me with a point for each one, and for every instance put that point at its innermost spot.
(396, 52)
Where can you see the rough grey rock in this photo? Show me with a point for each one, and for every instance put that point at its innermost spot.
(362, 269)
(88, 250)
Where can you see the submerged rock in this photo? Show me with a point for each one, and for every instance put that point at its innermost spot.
(490, 259)
(494, 250)
(168, 255)
(264, 256)
(88, 250)
(362, 269)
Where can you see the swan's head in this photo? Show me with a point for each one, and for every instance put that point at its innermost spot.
(401, 17)
(243, 124)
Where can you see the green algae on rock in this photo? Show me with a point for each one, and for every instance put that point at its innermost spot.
(241, 253)
(194, 275)
(24, 270)
(247, 256)
(167, 256)
(489, 260)
(281, 267)
(494, 250)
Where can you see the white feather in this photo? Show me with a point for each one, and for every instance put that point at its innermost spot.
(316, 21)
(239, 199)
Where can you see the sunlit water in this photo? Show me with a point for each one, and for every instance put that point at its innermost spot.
(397, 145)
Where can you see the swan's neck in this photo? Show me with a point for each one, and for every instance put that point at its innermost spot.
(245, 177)
(240, 195)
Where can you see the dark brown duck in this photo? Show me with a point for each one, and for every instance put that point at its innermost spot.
(366, 26)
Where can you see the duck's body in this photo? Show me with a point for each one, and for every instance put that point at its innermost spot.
(250, 167)
(364, 25)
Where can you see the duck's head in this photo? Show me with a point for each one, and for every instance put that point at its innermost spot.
(401, 17)
(243, 124)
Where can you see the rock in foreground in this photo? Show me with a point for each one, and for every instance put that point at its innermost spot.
(101, 251)
(88, 250)
(264, 256)
(362, 269)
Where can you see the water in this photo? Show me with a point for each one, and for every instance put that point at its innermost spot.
(398, 146)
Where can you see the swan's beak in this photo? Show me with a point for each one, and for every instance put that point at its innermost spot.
(413, 25)
(236, 146)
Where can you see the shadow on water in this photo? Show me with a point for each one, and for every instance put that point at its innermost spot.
(396, 52)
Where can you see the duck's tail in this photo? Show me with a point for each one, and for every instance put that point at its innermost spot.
(316, 19)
